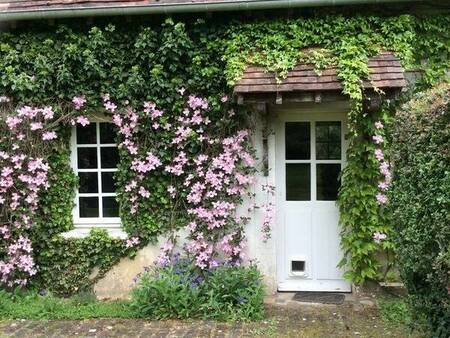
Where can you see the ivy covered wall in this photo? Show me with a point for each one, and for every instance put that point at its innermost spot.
(49, 65)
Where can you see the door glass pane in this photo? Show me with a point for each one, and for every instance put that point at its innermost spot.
(108, 183)
(87, 134)
(298, 182)
(107, 132)
(87, 158)
(110, 207)
(88, 206)
(109, 157)
(297, 140)
(327, 181)
(328, 140)
(88, 182)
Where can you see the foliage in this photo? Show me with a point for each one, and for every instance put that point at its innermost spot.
(180, 291)
(394, 311)
(31, 305)
(77, 263)
(150, 63)
(361, 214)
(421, 203)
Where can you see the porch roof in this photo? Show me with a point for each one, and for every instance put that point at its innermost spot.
(385, 73)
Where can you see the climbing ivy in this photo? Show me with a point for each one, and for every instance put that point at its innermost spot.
(144, 62)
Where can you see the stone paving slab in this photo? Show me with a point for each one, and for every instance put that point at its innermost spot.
(290, 320)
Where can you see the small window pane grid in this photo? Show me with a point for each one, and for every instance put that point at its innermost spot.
(313, 160)
(95, 158)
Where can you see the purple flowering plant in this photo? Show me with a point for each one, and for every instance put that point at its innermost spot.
(181, 290)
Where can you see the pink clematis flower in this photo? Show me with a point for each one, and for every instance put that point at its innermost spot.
(378, 139)
(78, 102)
(379, 236)
(35, 126)
(381, 198)
(49, 135)
(83, 120)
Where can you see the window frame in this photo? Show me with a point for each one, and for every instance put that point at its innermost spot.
(92, 222)
(313, 161)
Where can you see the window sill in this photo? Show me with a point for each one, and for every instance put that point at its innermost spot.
(84, 232)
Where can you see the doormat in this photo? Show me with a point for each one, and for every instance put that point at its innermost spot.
(319, 297)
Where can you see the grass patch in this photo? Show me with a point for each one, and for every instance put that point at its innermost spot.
(394, 311)
(30, 305)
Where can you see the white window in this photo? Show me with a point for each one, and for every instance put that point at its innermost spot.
(94, 160)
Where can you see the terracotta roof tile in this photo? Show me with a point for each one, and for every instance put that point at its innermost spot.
(385, 72)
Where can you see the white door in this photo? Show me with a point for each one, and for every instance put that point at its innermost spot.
(310, 154)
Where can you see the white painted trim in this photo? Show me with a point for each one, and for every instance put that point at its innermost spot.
(84, 232)
(315, 285)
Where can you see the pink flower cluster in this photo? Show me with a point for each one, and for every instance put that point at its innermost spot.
(202, 251)
(222, 175)
(269, 216)
(163, 258)
(383, 167)
(109, 106)
(209, 183)
(268, 188)
(151, 162)
(78, 102)
(151, 110)
(232, 245)
(142, 164)
(23, 175)
(131, 242)
(19, 253)
(379, 236)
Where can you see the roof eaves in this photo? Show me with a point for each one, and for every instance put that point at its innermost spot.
(10, 11)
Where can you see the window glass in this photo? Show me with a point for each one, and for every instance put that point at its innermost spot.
(108, 133)
(87, 134)
(87, 158)
(298, 139)
(328, 140)
(88, 182)
(109, 157)
(298, 181)
(88, 207)
(327, 181)
(110, 207)
(108, 183)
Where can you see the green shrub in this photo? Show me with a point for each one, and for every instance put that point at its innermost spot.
(421, 205)
(181, 291)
